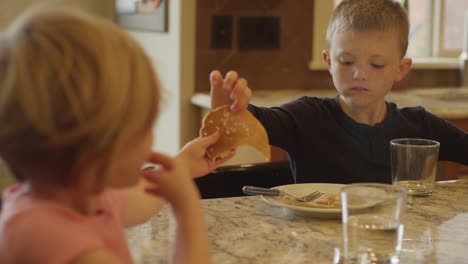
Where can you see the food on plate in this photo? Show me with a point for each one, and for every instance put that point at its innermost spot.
(328, 201)
(325, 201)
(237, 129)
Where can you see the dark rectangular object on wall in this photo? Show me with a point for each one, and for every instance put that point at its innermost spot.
(259, 33)
(221, 33)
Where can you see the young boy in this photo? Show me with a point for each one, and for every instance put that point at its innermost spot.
(346, 139)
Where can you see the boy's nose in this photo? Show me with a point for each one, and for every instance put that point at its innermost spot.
(359, 74)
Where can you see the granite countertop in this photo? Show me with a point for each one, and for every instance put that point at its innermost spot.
(246, 230)
(448, 102)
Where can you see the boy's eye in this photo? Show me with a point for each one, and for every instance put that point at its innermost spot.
(377, 66)
(346, 62)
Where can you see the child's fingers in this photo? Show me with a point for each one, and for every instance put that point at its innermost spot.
(152, 177)
(241, 95)
(219, 96)
(216, 80)
(209, 140)
(213, 164)
(230, 80)
(219, 161)
(238, 89)
(161, 159)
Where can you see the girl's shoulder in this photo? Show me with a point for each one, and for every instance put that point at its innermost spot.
(36, 226)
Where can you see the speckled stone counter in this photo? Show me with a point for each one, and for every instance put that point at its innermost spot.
(449, 103)
(245, 230)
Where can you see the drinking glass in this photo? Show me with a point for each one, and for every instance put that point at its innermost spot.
(372, 216)
(417, 239)
(414, 164)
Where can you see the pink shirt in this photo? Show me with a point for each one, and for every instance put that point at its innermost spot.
(35, 230)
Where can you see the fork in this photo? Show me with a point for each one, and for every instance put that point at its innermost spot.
(252, 190)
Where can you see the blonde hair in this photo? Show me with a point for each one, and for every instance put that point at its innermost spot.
(73, 89)
(379, 15)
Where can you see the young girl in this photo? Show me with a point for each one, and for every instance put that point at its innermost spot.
(78, 100)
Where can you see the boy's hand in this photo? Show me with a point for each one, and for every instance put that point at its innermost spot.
(194, 153)
(231, 90)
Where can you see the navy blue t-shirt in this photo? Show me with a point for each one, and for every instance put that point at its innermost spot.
(325, 145)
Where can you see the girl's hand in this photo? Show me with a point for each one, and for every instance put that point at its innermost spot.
(171, 178)
(194, 153)
(174, 183)
(231, 91)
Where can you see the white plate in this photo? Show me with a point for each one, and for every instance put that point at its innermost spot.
(302, 189)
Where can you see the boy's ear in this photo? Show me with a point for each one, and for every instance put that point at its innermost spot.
(326, 58)
(404, 68)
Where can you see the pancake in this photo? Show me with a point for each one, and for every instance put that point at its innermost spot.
(236, 129)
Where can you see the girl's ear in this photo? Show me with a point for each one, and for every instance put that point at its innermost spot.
(326, 58)
(404, 68)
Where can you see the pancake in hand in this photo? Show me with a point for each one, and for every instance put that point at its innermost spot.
(236, 129)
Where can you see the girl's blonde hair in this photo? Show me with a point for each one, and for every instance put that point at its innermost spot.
(74, 89)
(379, 15)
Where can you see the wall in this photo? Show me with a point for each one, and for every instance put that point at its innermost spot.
(286, 67)
(172, 54)
(173, 57)
(9, 9)
(283, 68)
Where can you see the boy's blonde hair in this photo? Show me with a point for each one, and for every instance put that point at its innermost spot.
(74, 90)
(379, 15)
